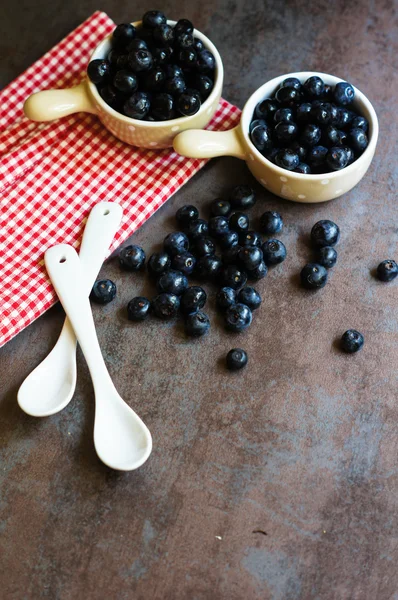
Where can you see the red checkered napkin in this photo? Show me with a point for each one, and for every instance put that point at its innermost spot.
(52, 174)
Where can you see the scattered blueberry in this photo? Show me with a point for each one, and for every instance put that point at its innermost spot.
(325, 233)
(203, 246)
(249, 296)
(352, 341)
(132, 258)
(233, 277)
(230, 256)
(326, 256)
(259, 272)
(387, 270)
(239, 222)
(242, 197)
(196, 229)
(228, 239)
(197, 324)
(220, 208)
(225, 298)
(172, 282)
(208, 267)
(274, 252)
(176, 243)
(238, 317)
(218, 226)
(138, 308)
(193, 299)
(314, 276)
(250, 238)
(236, 359)
(271, 222)
(250, 257)
(158, 263)
(104, 291)
(165, 306)
(184, 263)
(186, 214)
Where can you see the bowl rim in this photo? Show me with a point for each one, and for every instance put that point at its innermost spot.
(218, 82)
(253, 100)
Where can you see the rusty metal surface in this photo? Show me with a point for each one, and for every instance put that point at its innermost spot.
(276, 483)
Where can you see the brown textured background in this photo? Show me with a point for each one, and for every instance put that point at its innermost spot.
(302, 445)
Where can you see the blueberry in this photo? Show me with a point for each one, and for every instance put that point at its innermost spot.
(197, 324)
(197, 229)
(218, 226)
(165, 306)
(220, 208)
(137, 44)
(333, 137)
(132, 258)
(208, 267)
(360, 122)
(321, 115)
(230, 256)
(184, 40)
(285, 132)
(327, 92)
(287, 159)
(189, 102)
(325, 233)
(271, 222)
(172, 71)
(261, 137)
(313, 276)
(310, 135)
(198, 44)
(183, 26)
(387, 270)
(250, 238)
(344, 93)
(344, 118)
(176, 243)
(203, 246)
(187, 58)
(205, 62)
(317, 156)
(239, 222)
(163, 35)
(314, 87)
(303, 168)
(350, 154)
(161, 56)
(303, 113)
(193, 299)
(137, 105)
(125, 81)
(123, 34)
(162, 107)
(287, 96)
(158, 263)
(236, 359)
(110, 95)
(358, 140)
(292, 82)
(266, 109)
(138, 308)
(153, 80)
(186, 214)
(233, 277)
(104, 291)
(259, 272)
(274, 252)
(298, 149)
(98, 70)
(336, 159)
(140, 60)
(204, 85)
(172, 282)
(352, 341)
(250, 257)
(250, 297)
(284, 114)
(228, 239)
(326, 256)
(225, 298)
(334, 114)
(238, 317)
(153, 18)
(184, 263)
(113, 56)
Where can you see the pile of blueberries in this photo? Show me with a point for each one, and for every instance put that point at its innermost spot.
(309, 128)
(158, 72)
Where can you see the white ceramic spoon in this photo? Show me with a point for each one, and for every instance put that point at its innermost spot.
(50, 387)
(121, 439)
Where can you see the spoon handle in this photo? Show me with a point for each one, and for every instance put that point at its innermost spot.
(68, 278)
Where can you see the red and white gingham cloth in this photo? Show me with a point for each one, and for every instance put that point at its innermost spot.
(52, 174)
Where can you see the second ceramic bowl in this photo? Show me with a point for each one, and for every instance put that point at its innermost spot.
(283, 183)
(53, 104)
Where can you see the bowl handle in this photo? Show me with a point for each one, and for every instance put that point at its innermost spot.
(53, 104)
(197, 143)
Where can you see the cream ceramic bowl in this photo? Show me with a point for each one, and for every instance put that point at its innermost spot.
(53, 104)
(283, 183)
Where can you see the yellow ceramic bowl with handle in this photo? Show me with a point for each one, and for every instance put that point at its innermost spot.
(283, 183)
(53, 104)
